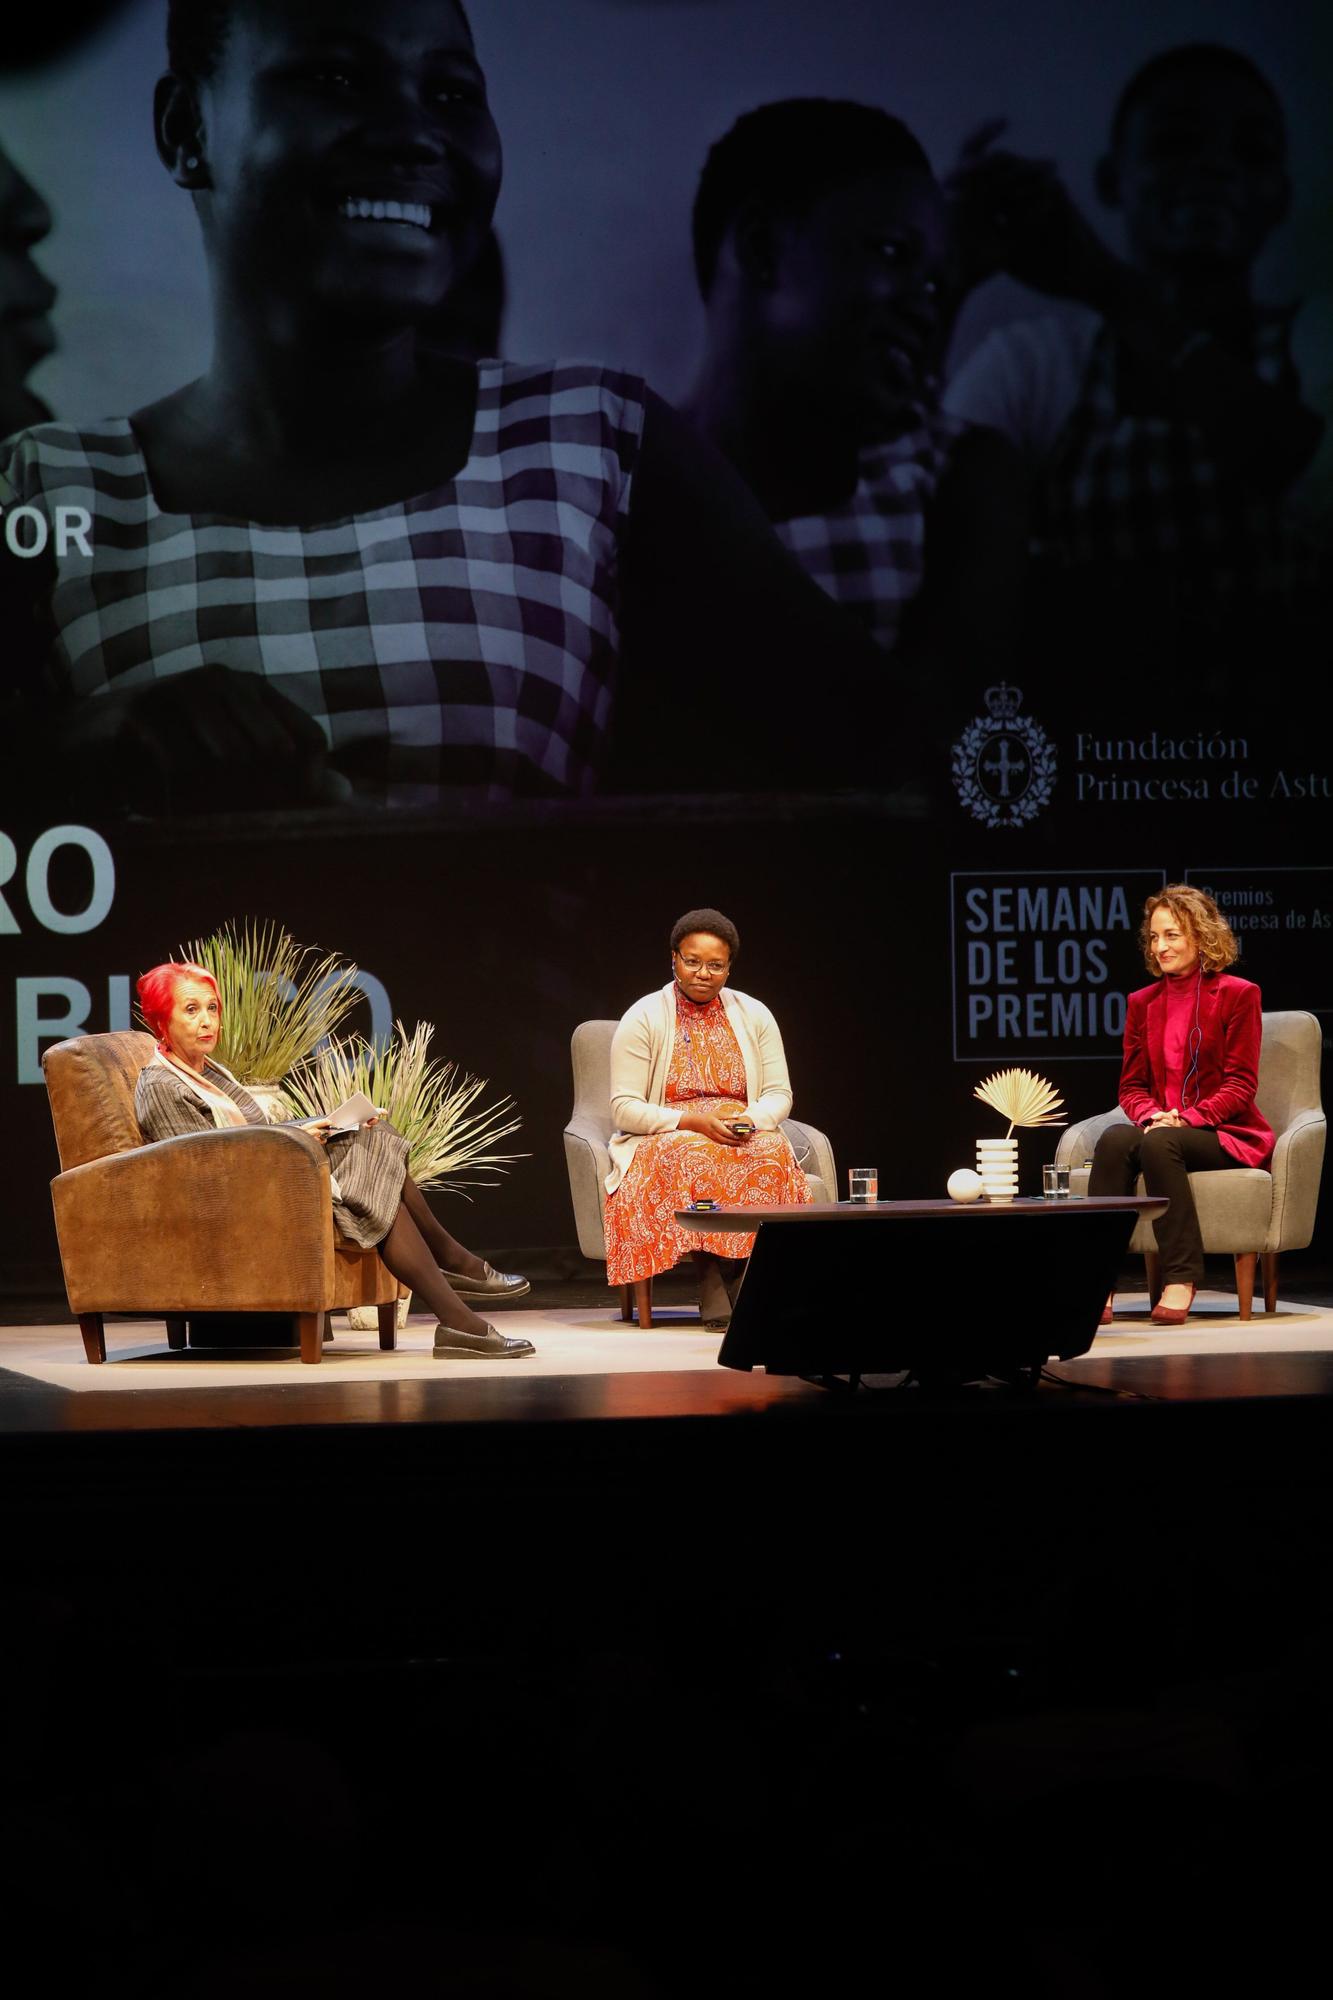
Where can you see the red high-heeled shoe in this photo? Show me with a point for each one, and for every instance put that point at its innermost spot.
(1108, 1317)
(1173, 1315)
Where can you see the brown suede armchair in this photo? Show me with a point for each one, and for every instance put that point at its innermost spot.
(236, 1222)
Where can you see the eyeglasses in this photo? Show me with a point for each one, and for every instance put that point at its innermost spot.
(713, 968)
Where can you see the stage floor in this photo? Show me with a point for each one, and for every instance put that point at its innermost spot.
(590, 1364)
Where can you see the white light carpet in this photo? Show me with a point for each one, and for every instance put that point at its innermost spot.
(589, 1341)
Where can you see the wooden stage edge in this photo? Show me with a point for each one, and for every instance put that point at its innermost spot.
(1111, 1377)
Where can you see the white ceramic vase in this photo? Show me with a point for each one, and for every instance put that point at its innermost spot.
(997, 1163)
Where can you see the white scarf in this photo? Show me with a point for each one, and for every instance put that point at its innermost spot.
(225, 1112)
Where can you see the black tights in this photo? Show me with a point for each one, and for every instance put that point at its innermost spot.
(448, 1252)
(1166, 1157)
(418, 1249)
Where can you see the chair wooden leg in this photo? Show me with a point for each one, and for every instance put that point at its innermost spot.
(1245, 1263)
(388, 1319)
(328, 1328)
(1270, 1280)
(176, 1326)
(643, 1298)
(310, 1329)
(92, 1328)
(627, 1302)
(1154, 1267)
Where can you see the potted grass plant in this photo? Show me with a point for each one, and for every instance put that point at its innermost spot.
(451, 1138)
(280, 1000)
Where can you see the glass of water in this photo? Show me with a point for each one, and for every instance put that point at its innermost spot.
(863, 1183)
(1055, 1183)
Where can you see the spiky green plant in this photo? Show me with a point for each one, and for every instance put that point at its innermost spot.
(279, 998)
(430, 1102)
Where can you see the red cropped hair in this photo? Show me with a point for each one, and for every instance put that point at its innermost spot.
(157, 991)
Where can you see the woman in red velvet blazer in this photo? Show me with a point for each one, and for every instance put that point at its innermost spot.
(1187, 1082)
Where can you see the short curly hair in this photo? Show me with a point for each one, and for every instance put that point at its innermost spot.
(197, 35)
(1198, 915)
(1189, 59)
(789, 155)
(711, 921)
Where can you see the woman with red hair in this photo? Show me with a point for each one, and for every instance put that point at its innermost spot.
(376, 1203)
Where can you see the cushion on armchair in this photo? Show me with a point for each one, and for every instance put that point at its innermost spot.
(91, 1082)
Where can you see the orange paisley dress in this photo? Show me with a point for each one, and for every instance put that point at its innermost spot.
(671, 1169)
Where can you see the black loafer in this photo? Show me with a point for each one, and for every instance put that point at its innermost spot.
(494, 1285)
(451, 1345)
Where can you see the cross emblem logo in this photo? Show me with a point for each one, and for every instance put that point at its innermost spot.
(1003, 763)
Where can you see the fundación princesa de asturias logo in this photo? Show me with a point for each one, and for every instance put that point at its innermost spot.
(1004, 763)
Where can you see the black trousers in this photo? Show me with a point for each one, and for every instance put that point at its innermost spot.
(1166, 1157)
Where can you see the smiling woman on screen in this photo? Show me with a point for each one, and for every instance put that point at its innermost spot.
(347, 563)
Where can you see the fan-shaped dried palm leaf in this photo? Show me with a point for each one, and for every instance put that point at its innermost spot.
(1020, 1097)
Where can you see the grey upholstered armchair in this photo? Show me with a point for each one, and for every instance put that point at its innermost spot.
(587, 1154)
(1249, 1212)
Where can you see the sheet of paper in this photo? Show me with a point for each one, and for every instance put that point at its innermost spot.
(353, 1111)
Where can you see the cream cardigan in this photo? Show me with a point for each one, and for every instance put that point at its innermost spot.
(641, 1060)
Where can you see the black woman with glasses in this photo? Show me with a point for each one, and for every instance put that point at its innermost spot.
(699, 1090)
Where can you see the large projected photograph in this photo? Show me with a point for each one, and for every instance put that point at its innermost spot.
(476, 483)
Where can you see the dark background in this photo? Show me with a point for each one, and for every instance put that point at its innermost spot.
(507, 926)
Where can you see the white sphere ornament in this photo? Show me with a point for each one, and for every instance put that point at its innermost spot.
(964, 1185)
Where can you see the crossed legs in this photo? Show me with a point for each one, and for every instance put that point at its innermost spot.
(448, 1252)
(421, 1252)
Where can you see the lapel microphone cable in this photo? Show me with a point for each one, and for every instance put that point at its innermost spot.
(1193, 1047)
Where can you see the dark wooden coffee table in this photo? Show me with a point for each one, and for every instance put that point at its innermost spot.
(946, 1289)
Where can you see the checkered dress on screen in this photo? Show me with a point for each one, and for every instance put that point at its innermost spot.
(1124, 488)
(463, 640)
(870, 554)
